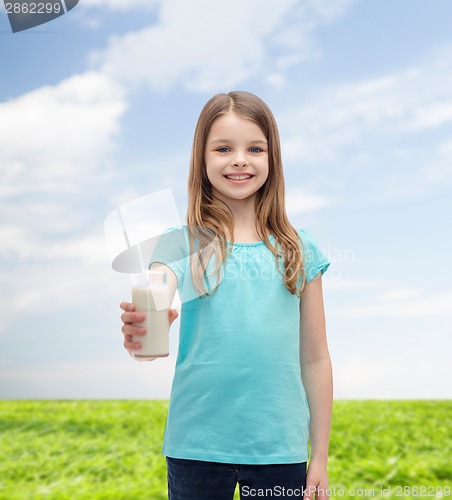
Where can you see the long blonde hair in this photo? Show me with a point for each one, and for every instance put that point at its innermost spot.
(207, 218)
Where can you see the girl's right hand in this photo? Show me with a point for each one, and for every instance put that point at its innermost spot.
(130, 316)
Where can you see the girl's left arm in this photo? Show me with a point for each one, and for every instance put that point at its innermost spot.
(317, 377)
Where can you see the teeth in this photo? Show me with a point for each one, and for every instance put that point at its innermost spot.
(238, 177)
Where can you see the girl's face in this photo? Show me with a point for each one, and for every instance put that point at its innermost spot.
(236, 158)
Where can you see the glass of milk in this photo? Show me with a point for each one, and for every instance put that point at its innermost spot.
(150, 294)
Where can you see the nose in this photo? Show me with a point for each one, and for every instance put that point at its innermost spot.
(240, 161)
(240, 157)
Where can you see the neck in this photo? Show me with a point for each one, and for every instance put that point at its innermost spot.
(244, 214)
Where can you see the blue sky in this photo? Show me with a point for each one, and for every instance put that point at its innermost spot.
(99, 106)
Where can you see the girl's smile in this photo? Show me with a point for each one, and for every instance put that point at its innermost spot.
(239, 179)
(236, 158)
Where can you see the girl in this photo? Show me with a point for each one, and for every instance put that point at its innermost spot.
(253, 377)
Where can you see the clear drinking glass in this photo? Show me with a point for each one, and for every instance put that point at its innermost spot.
(150, 294)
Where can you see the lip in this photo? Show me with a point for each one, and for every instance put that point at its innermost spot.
(241, 181)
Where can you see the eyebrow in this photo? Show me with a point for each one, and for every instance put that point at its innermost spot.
(258, 141)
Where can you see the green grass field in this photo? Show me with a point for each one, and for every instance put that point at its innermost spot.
(112, 449)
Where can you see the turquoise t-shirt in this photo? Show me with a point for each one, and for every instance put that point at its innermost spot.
(237, 394)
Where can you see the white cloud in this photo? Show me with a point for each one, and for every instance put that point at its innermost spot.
(92, 13)
(438, 168)
(409, 307)
(206, 45)
(400, 294)
(124, 378)
(276, 80)
(363, 377)
(300, 201)
(54, 135)
(55, 148)
(376, 127)
(29, 289)
(352, 284)
(329, 9)
(118, 5)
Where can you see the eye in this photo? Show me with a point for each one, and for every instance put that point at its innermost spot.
(256, 150)
(223, 149)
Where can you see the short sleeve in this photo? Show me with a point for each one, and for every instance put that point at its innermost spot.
(171, 250)
(314, 259)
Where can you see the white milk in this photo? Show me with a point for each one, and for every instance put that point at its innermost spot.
(153, 300)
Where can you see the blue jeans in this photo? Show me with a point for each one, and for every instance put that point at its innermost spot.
(199, 480)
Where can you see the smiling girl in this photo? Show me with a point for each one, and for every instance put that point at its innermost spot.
(253, 377)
